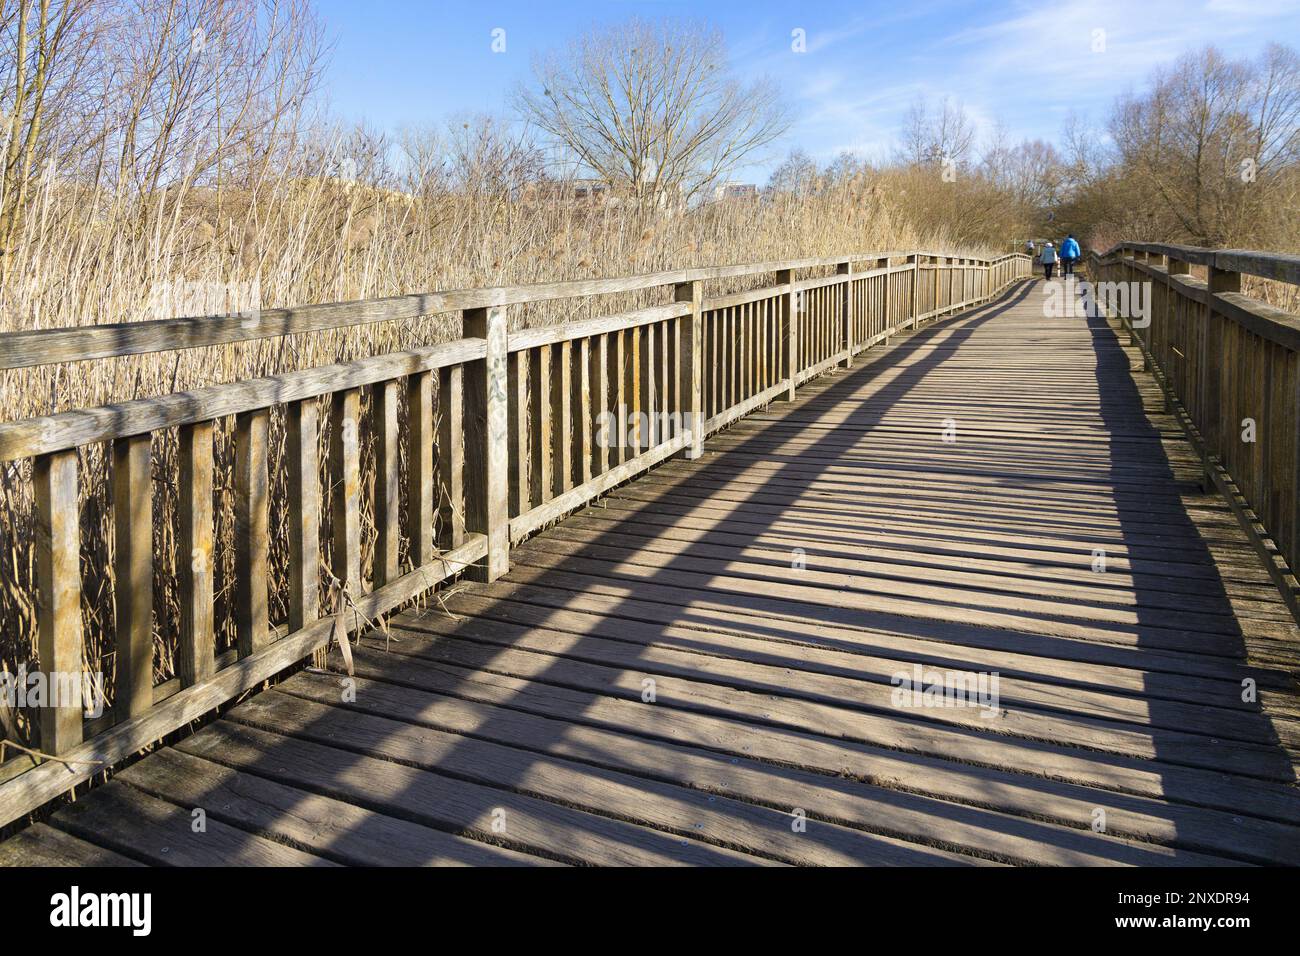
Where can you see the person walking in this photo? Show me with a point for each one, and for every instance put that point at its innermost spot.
(1048, 259)
(1029, 249)
(1070, 254)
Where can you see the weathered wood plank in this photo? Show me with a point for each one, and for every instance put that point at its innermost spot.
(58, 596)
(252, 531)
(196, 648)
(133, 574)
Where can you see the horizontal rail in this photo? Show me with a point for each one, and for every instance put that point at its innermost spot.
(83, 343)
(496, 435)
(1229, 367)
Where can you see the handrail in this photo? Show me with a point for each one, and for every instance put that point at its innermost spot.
(1229, 367)
(82, 343)
(501, 435)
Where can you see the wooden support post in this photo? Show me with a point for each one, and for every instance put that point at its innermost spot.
(421, 494)
(133, 575)
(345, 476)
(691, 387)
(846, 311)
(58, 598)
(789, 333)
(387, 501)
(196, 649)
(487, 449)
(302, 437)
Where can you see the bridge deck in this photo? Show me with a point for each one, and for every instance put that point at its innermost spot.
(509, 724)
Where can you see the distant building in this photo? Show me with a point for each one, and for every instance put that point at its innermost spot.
(724, 191)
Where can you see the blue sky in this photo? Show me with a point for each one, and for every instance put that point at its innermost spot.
(414, 62)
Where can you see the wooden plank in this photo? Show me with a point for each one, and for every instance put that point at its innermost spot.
(46, 346)
(654, 808)
(43, 845)
(58, 597)
(37, 436)
(133, 574)
(692, 367)
(517, 384)
(302, 437)
(326, 827)
(487, 448)
(421, 476)
(252, 532)
(541, 481)
(582, 430)
(160, 833)
(416, 791)
(562, 418)
(451, 454)
(345, 492)
(790, 335)
(387, 502)
(601, 435)
(196, 647)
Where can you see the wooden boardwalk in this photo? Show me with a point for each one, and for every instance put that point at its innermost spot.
(699, 668)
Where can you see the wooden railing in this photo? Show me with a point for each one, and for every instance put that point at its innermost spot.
(503, 434)
(1229, 366)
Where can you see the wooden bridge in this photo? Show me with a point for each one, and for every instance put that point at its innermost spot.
(916, 569)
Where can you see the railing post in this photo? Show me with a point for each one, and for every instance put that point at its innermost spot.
(487, 435)
(691, 388)
(790, 333)
(58, 584)
(846, 310)
(914, 260)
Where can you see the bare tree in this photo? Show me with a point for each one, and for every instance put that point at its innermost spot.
(1214, 143)
(652, 108)
(935, 136)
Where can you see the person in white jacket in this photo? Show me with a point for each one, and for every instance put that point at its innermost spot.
(1048, 258)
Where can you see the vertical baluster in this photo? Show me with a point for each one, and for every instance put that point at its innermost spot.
(541, 481)
(633, 378)
(133, 575)
(196, 650)
(451, 462)
(345, 475)
(383, 411)
(517, 375)
(562, 418)
(582, 434)
(302, 435)
(617, 382)
(421, 497)
(602, 432)
(648, 398)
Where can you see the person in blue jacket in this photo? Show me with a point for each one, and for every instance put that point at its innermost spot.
(1070, 254)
